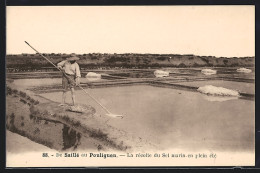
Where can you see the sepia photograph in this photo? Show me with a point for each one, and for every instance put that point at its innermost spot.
(130, 86)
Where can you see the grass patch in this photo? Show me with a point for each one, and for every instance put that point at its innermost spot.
(31, 116)
(99, 147)
(9, 91)
(15, 91)
(23, 101)
(36, 131)
(66, 118)
(32, 101)
(98, 134)
(45, 112)
(22, 94)
(77, 124)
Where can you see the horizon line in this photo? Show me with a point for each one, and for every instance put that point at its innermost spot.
(138, 53)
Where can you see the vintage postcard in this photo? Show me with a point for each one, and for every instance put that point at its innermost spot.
(130, 86)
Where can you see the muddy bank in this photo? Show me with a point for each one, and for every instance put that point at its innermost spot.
(13, 140)
(50, 133)
(44, 122)
(91, 125)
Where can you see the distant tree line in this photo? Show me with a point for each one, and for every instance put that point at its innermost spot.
(127, 60)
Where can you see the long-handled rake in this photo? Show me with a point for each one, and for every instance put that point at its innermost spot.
(108, 112)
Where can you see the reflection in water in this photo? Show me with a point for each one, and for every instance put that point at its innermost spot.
(91, 76)
(59, 135)
(89, 79)
(70, 137)
(218, 98)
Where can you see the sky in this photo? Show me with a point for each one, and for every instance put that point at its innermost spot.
(221, 31)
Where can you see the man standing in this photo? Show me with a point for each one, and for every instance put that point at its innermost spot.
(70, 78)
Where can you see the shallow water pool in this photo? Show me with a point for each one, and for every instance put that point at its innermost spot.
(175, 118)
(37, 82)
(27, 83)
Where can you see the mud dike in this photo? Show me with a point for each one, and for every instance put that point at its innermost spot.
(44, 122)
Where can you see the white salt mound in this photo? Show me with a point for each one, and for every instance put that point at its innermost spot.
(217, 91)
(79, 108)
(244, 70)
(208, 71)
(91, 76)
(160, 73)
(76, 108)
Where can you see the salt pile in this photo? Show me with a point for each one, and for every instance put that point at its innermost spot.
(76, 109)
(160, 73)
(79, 108)
(217, 91)
(91, 76)
(244, 70)
(208, 71)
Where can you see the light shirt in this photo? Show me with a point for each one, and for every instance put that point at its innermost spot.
(71, 69)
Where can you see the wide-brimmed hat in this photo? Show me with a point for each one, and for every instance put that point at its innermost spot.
(73, 58)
